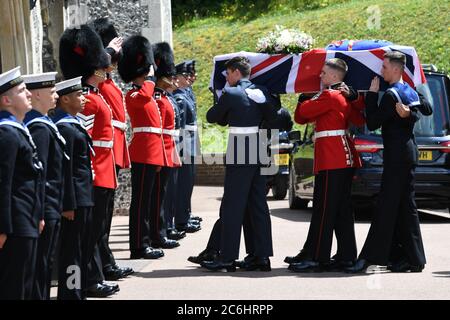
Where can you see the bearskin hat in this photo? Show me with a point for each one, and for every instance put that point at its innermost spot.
(106, 30)
(81, 53)
(164, 60)
(137, 57)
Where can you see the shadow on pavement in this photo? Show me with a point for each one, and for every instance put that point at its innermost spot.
(276, 272)
(362, 217)
(292, 215)
(442, 274)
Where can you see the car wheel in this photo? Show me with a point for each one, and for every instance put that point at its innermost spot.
(280, 187)
(294, 201)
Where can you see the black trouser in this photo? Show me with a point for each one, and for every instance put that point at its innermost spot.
(74, 255)
(17, 268)
(396, 218)
(106, 254)
(102, 199)
(158, 229)
(332, 211)
(45, 257)
(245, 189)
(171, 199)
(186, 176)
(142, 182)
(215, 236)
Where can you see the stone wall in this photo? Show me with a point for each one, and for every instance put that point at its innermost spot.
(129, 17)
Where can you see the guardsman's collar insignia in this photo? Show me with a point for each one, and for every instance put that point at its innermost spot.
(87, 88)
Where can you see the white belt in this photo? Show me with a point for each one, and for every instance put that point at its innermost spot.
(148, 130)
(330, 133)
(120, 125)
(174, 133)
(243, 130)
(190, 128)
(103, 144)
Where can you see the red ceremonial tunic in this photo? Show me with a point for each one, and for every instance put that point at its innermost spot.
(168, 121)
(147, 145)
(97, 118)
(330, 111)
(113, 96)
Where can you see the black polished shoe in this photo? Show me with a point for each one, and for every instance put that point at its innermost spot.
(113, 285)
(189, 227)
(148, 253)
(218, 265)
(338, 265)
(126, 271)
(242, 264)
(199, 219)
(405, 266)
(112, 274)
(174, 234)
(165, 244)
(258, 264)
(99, 291)
(360, 266)
(205, 255)
(194, 222)
(306, 266)
(296, 259)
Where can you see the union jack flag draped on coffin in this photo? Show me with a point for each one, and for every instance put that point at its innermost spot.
(285, 73)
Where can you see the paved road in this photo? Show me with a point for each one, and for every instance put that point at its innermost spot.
(173, 277)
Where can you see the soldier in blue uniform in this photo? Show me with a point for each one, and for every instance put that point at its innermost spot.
(171, 198)
(50, 148)
(190, 149)
(243, 107)
(21, 217)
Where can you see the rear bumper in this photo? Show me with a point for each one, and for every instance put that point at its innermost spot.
(432, 186)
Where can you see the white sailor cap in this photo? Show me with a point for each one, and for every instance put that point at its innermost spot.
(10, 79)
(40, 80)
(68, 86)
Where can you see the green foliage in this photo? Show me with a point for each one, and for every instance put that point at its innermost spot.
(423, 24)
(244, 10)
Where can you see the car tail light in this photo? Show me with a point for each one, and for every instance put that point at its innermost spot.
(363, 145)
(446, 147)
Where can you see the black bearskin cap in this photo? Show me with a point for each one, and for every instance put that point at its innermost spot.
(106, 30)
(137, 57)
(164, 60)
(81, 53)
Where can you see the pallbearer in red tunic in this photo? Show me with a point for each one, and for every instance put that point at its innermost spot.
(147, 146)
(114, 98)
(335, 160)
(82, 54)
(165, 85)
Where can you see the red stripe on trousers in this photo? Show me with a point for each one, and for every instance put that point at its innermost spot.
(158, 208)
(323, 217)
(140, 206)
